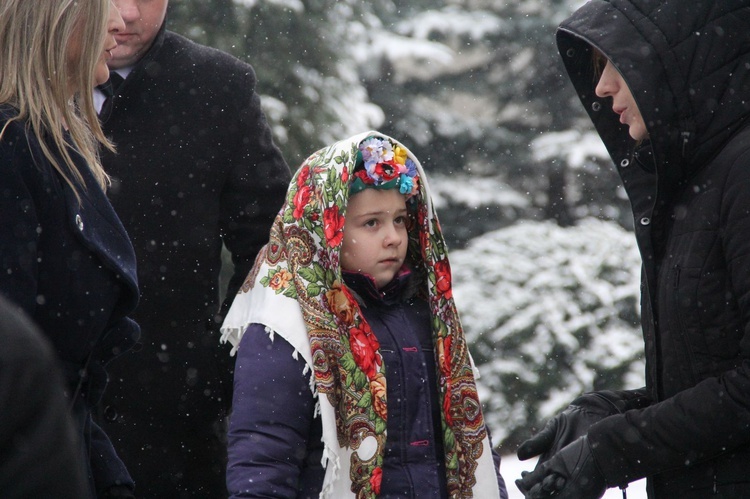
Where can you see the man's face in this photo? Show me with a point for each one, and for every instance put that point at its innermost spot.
(143, 18)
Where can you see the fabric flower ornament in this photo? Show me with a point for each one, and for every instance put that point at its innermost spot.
(383, 165)
(374, 151)
(406, 184)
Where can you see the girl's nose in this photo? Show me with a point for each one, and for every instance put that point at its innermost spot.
(392, 237)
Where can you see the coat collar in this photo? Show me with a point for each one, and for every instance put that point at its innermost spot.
(365, 290)
(101, 230)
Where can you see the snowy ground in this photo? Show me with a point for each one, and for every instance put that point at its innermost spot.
(511, 469)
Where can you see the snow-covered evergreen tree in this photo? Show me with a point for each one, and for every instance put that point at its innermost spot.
(550, 312)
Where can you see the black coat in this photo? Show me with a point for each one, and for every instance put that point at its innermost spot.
(40, 453)
(71, 268)
(196, 166)
(688, 66)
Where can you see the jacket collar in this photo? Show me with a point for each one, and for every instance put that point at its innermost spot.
(364, 288)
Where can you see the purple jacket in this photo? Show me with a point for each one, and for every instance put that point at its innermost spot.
(275, 446)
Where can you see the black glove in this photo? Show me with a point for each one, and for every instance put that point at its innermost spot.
(572, 473)
(570, 424)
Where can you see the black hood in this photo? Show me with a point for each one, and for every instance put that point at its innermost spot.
(687, 63)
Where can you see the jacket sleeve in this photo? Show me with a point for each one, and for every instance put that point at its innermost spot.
(254, 191)
(271, 418)
(711, 417)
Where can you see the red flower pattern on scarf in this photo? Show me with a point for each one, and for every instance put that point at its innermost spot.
(301, 199)
(333, 225)
(302, 177)
(443, 276)
(376, 479)
(364, 347)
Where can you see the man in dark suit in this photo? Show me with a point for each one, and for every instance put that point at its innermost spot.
(196, 167)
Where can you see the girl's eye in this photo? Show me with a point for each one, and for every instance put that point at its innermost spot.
(371, 223)
(400, 220)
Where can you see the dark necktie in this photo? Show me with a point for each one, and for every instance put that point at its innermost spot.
(109, 88)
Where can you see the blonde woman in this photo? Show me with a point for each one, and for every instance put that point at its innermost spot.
(66, 259)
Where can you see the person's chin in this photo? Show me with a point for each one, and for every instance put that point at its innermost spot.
(102, 75)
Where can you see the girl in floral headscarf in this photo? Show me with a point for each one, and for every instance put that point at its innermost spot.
(353, 377)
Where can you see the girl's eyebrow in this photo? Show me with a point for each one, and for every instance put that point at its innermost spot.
(400, 211)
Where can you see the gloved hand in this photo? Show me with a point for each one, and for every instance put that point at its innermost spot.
(570, 424)
(572, 473)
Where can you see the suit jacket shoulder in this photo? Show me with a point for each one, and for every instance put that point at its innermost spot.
(180, 56)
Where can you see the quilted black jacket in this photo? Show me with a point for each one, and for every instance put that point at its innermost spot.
(688, 67)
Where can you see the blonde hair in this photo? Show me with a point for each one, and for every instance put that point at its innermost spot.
(36, 77)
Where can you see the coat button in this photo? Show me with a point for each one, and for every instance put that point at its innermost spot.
(110, 413)
(79, 222)
(645, 221)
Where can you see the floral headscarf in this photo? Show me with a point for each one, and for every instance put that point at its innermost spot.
(296, 289)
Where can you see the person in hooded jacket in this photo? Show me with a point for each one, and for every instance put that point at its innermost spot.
(667, 86)
(353, 377)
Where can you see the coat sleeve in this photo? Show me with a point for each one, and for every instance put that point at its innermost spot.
(254, 191)
(271, 418)
(711, 417)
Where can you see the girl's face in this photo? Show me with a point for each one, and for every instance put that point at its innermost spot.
(375, 236)
(611, 84)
